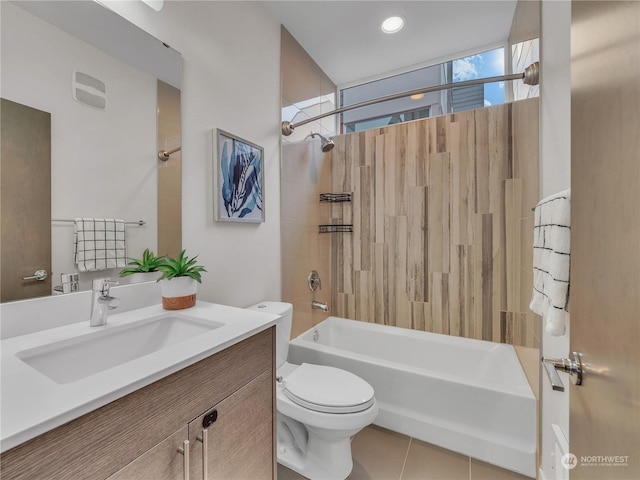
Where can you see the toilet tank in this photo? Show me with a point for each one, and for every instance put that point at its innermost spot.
(283, 326)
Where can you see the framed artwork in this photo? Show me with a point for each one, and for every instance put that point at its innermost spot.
(238, 175)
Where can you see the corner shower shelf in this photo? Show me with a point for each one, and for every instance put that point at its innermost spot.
(335, 228)
(335, 197)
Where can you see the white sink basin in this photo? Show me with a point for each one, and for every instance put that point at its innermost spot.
(72, 359)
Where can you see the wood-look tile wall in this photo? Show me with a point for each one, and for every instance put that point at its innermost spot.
(443, 224)
(305, 174)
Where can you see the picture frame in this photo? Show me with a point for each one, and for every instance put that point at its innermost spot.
(238, 175)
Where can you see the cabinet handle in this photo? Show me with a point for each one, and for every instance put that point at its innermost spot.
(184, 450)
(205, 449)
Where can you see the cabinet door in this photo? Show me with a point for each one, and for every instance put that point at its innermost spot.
(239, 443)
(162, 462)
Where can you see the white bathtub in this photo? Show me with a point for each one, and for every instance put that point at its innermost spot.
(465, 395)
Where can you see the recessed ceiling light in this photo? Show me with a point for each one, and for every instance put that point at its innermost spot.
(417, 96)
(392, 24)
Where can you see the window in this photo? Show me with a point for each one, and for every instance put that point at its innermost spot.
(386, 120)
(481, 65)
(309, 108)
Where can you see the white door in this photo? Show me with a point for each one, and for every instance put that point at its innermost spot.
(605, 239)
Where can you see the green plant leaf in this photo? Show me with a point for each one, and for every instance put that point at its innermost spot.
(149, 263)
(182, 266)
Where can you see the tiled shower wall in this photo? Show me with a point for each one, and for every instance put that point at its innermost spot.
(443, 224)
(305, 173)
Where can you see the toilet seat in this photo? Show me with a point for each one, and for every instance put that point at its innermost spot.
(327, 389)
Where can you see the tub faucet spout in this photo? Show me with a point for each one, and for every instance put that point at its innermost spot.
(319, 306)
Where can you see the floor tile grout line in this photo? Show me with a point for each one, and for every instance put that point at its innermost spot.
(406, 456)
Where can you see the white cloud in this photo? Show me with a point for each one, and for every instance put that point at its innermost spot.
(487, 103)
(466, 68)
(499, 62)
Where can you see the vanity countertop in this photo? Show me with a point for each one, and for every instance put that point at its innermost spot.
(32, 403)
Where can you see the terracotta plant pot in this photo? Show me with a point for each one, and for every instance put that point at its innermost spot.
(178, 293)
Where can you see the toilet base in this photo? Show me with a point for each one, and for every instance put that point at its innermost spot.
(318, 445)
(322, 459)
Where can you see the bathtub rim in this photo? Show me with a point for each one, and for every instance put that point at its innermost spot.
(404, 332)
(521, 389)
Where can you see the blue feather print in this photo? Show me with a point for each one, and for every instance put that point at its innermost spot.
(241, 172)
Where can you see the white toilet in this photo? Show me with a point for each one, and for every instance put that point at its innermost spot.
(319, 409)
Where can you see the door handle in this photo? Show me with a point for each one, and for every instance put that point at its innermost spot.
(572, 365)
(184, 450)
(205, 450)
(38, 275)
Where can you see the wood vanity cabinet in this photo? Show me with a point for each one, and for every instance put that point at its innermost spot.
(162, 462)
(235, 445)
(137, 437)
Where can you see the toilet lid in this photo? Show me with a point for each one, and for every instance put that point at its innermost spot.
(327, 389)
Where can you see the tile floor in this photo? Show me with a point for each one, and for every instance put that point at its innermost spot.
(380, 454)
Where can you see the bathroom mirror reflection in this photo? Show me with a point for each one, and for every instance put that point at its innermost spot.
(112, 93)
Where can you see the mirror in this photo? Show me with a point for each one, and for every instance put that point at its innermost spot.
(104, 83)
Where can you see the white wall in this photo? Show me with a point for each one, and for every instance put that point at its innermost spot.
(102, 162)
(231, 80)
(555, 162)
(555, 119)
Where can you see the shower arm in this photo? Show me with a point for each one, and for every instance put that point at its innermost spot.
(530, 76)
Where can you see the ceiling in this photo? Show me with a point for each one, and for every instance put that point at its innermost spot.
(345, 40)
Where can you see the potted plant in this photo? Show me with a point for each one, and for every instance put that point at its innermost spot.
(179, 281)
(144, 269)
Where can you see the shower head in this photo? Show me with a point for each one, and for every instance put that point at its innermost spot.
(326, 145)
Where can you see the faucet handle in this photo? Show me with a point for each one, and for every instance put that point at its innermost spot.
(103, 285)
(108, 283)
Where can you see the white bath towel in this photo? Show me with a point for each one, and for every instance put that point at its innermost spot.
(99, 243)
(551, 261)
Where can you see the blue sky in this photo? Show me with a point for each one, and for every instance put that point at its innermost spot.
(486, 64)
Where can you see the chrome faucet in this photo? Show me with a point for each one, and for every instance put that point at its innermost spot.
(319, 306)
(101, 301)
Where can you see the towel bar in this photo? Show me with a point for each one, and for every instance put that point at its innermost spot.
(139, 222)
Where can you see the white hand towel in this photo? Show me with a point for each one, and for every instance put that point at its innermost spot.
(551, 261)
(99, 244)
